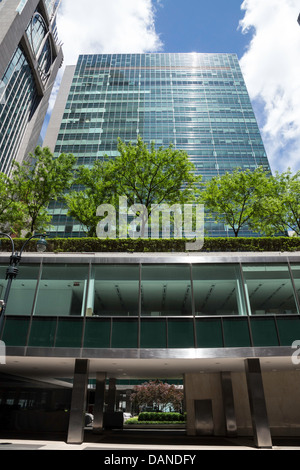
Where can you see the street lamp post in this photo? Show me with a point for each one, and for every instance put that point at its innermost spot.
(13, 268)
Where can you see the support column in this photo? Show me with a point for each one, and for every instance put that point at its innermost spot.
(228, 402)
(78, 402)
(99, 402)
(260, 422)
(128, 402)
(111, 395)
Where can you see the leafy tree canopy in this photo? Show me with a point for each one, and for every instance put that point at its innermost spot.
(38, 181)
(234, 198)
(148, 177)
(12, 211)
(279, 209)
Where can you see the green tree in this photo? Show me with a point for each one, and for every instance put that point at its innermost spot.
(12, 211)
(153, 176)
(234, 198)
(38, 181)
(150, 177)
(279, 209)
(145, 177)
(92, 187)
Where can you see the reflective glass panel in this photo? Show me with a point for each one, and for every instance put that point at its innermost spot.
(269, 289)
(22, 291)
(114, 291)
(218, 290)
(62, 290)
(166, 290)
(296, 276)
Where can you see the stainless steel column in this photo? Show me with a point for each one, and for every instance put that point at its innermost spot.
(228, 403)
(99, 402)
(204, 423)
(260, 422)
(111, 395)
(78, 402)
(128, 401)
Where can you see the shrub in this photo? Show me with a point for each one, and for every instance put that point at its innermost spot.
(96, 245)
(160, 416)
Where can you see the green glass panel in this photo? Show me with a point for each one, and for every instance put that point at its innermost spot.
(66, 284)
(69, 334)
(180, 334)
(15, 331)
(289, 330)
(264, 332)
(209, 333)
(153, 334)
(42, 333)
(166, 290)
(97, 333)
(236, 333)
(124, 334)
(22, 292)
(116, 290)
(270, 289)
(218, 290)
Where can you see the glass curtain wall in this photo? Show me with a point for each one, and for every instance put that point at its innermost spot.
(22, 292)
(166, 290)
(218, 290)
(62, 290)
(269, 289)
(153, 290)
(16, 105)
(114, 291)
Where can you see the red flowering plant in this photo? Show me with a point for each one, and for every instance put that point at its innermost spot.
(157, 395)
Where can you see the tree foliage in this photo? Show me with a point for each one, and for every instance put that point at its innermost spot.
(279, 209)
(148, 177)
(93, 186)
(157, 395)
(153, 176)
(234, 198)
(38, 181)
(12, 213)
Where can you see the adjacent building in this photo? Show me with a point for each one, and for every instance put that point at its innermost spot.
(30, 57)
(197, 102)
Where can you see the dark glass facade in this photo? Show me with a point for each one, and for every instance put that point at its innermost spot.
(18, 102)
(26, 76)
(197, 102)
(153, 305)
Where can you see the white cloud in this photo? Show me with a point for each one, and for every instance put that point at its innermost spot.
(101, 26)
(271, 67)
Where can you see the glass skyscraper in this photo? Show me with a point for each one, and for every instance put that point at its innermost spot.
(197, 102)
(30, 57)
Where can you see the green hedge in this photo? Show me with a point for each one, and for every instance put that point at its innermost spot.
(150, 416)
(95, 245)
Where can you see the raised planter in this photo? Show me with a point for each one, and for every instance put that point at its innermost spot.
(154, 426)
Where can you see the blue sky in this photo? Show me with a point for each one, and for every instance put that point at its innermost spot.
(264, 34)
(201, 26)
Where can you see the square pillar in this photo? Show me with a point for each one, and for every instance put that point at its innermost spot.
(99, 402)
(259, 416)
(112, 391)
(78, 402)
(228, 403)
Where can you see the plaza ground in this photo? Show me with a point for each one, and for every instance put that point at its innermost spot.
(143, 440)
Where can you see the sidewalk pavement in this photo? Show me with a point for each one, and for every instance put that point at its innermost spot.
(161, 442)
